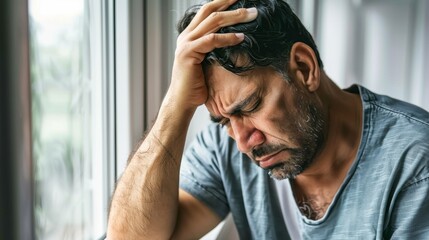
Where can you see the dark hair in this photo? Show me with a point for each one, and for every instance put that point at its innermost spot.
(268, 39)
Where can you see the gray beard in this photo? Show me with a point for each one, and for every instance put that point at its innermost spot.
(310, 137)
(291, 167)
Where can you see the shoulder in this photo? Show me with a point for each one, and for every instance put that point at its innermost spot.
(394, 121)
(211, 147)
(213, 137)
(398, 134)
(386, 106)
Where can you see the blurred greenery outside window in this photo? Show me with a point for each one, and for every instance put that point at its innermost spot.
(67, 119)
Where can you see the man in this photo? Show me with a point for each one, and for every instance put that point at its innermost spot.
(292, 156)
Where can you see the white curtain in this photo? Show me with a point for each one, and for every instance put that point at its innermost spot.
(381, 44)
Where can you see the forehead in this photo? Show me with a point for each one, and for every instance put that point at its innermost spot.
(220, 80)
(226, 88)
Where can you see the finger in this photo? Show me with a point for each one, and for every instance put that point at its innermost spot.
(207, 9)
(216, 40)
(218, 20)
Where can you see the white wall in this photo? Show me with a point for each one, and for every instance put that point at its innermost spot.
(381, 44)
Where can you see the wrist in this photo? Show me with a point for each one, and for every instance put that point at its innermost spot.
(174, 114)
(180, 103)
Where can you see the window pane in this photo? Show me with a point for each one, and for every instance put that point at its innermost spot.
(66, 72)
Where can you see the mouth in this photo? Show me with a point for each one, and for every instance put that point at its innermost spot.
(268, 161)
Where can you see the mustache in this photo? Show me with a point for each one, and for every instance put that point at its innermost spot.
(268, 149)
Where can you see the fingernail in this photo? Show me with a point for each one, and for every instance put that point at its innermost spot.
(252, 13)
(252, 10)
(240, 36)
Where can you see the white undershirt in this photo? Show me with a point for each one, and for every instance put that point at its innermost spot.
(290, 211)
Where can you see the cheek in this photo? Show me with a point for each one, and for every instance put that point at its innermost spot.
(280, 116)
(280, 123)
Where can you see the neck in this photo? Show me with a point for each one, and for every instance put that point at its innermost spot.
(342, 137)
(315, 188)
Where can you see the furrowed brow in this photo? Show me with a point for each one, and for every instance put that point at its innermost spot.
(237, 108)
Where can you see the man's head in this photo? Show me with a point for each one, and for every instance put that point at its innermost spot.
(262, 89)
(268, 40)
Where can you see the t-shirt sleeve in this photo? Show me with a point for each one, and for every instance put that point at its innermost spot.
(410, 218)
(410, 215)
(201, 173)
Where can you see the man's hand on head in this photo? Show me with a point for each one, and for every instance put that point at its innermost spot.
(188, 88)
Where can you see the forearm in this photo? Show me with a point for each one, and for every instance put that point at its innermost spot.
(146, 198)
(146, 201)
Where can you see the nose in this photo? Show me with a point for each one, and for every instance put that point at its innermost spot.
(245, 133)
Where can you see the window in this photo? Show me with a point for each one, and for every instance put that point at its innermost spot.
(71, 117)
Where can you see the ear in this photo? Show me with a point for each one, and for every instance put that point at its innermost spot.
(303, 66)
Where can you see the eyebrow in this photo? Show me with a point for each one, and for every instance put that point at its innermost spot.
(237, 108)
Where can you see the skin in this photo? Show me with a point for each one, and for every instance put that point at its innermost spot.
(277, 120)
(147, 203)
(274, 121)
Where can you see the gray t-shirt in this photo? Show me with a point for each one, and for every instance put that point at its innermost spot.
(385, 194)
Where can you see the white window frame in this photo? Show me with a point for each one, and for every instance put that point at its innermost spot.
(129, 75)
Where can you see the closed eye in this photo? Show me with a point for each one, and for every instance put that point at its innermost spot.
(249, 105)
(221, 120)
(253, 108)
